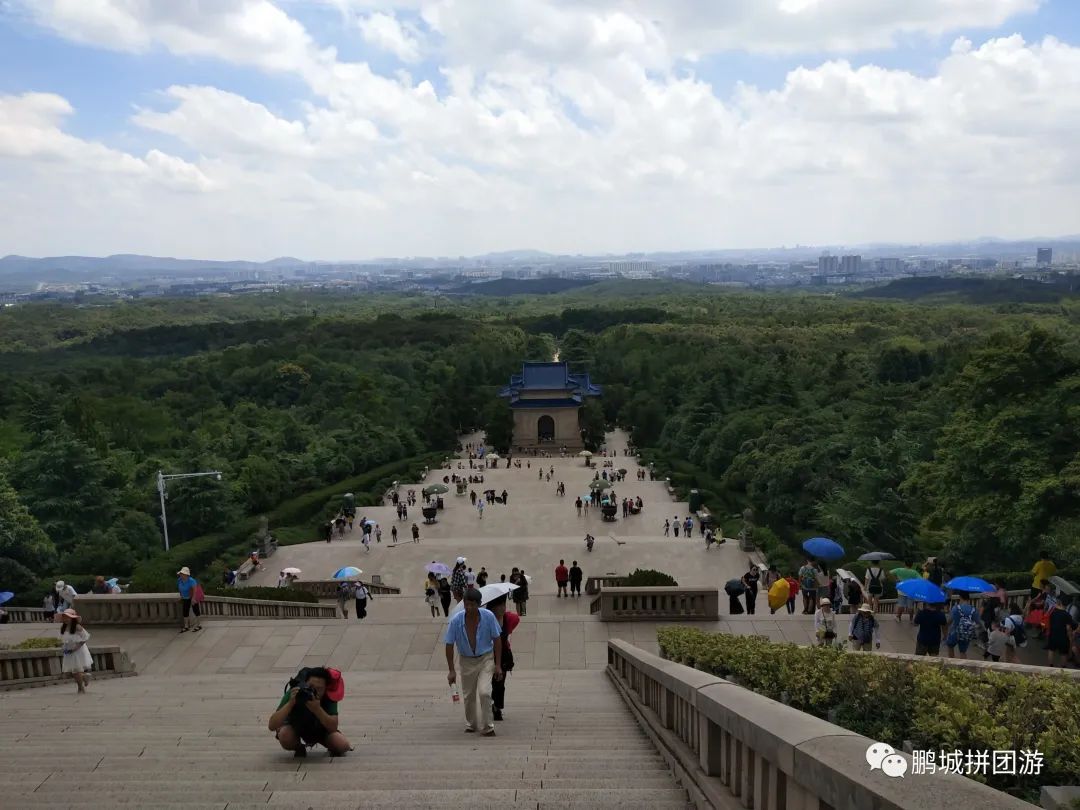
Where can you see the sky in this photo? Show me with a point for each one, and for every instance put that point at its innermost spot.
(355, 129)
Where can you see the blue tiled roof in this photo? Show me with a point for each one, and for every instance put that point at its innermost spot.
(550, 377)
(545, 376)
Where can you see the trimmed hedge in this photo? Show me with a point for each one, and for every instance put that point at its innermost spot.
(648, 578)
(33, 644)
(206, 556)
(1022, 579)
(936, 707)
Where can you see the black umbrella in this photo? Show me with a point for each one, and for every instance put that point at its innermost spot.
(735, 587)
(877, 556)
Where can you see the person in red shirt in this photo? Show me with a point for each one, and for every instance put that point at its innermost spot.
(793, 592)
(508, 621)
(562, 576)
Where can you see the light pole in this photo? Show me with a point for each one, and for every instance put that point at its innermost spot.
(161, 480)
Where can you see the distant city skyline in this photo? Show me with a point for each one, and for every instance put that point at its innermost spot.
(356, 129)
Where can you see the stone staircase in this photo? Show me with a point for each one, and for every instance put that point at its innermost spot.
(200, 741)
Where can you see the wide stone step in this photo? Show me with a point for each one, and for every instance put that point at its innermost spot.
(566, 742)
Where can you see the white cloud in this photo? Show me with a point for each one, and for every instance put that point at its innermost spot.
(234, 125)
(31, 131)
(571, 126)
(251, 32)
(387, 33)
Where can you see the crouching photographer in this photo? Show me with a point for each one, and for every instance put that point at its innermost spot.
(308, 713)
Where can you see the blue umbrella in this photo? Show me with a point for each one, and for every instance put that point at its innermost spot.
(347, 571)
(6, 596)
(970, 584)
(112, 582)
(922, 590)
(823, 548)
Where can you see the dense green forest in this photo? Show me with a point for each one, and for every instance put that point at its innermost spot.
(911, 427)
(279, 405)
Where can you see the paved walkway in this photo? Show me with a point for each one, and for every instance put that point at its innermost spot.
(201, 741)
(533, 531)
(557, 634)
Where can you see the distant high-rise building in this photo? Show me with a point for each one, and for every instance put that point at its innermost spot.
(1044, 257)
(828, 264)
(850, 265)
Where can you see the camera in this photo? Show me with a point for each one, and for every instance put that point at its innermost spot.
(305, 694)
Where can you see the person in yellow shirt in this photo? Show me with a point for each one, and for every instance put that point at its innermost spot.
(1043, 569)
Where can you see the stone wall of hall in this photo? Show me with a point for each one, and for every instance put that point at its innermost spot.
(567, 428)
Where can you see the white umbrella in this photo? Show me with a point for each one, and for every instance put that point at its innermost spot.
(294, 571)
(495, 456)
(496, 589)
(585, 454)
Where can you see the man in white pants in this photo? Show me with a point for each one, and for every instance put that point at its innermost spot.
(476, 635)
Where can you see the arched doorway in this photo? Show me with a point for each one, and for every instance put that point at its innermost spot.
(545, 429)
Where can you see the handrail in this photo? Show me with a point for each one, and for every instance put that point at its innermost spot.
(722, 740)
(167, 608)
(327, 588)
(28, 614)
(595, 583)
(1020, 595)
(21, 668)
(667, 602)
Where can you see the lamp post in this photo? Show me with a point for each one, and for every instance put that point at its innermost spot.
(161, 481)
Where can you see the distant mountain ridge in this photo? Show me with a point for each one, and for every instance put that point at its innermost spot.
(117, 263)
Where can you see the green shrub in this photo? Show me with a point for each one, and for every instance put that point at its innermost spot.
(776, 552)
(33, 597)
(1014, 580)
(33, 644)
(936, 707)
(648, 578)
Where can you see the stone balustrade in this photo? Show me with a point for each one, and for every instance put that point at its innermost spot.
(724, 741)
(675, 603)
(1018, 597)
(25, 668)
(166, 608)
(27, 614)
(594, 584)
(327, 588)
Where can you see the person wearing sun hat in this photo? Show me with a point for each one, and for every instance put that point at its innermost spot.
(864, 629)
(66, 595)
(73, 639)
(187, 585)
(825, 623)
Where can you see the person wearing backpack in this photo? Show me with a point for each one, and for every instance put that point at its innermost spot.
(963, 625)
(864, 630)
(875, 584)
(307, 714)
(1013, 625)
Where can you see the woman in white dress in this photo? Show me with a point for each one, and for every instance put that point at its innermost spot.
(73, 639)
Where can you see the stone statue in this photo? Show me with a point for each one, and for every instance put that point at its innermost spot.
(265, 541)
(746, 534)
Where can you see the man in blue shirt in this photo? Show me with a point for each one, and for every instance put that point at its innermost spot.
(476, 635)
